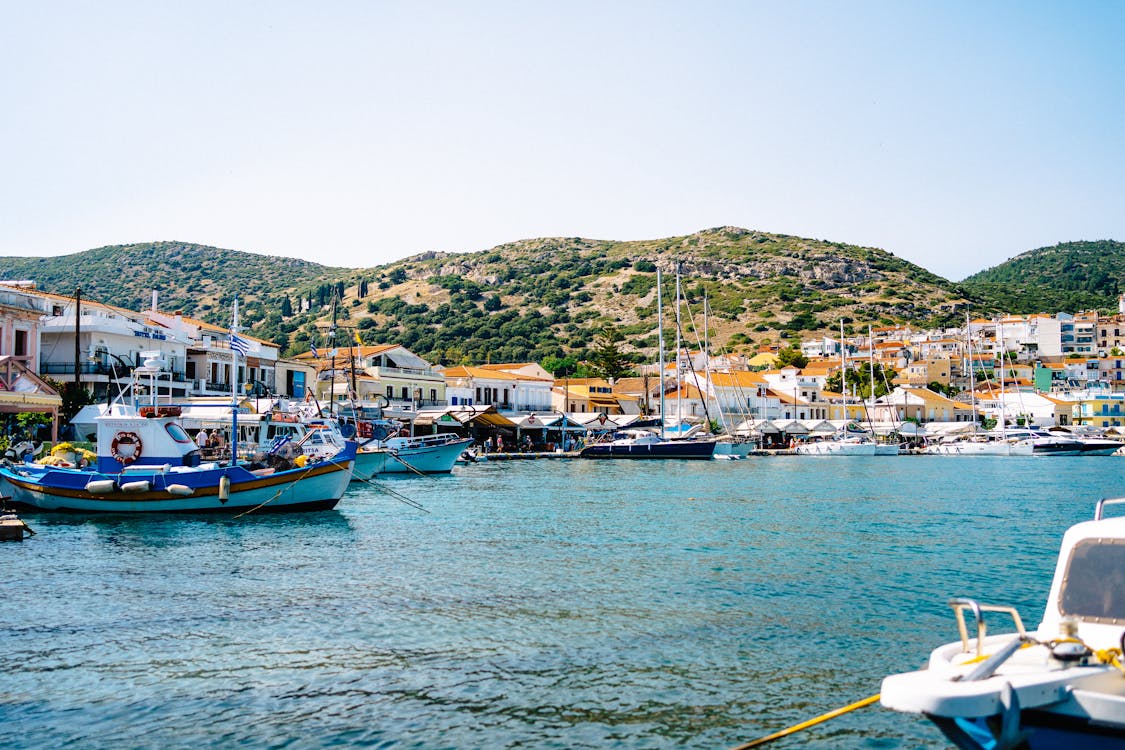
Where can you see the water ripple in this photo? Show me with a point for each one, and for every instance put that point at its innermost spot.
(546, 605)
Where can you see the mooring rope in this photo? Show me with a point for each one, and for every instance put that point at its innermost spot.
(806, 724)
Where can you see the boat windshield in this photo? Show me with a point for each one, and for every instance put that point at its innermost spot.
(1093, 588)
(177, 433)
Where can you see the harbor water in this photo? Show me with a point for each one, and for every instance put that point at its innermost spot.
(537, 604)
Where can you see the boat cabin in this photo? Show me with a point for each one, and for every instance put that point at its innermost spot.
(1089, 582)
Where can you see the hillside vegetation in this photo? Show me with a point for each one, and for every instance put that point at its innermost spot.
(199, 280)
(1070, 276)
(527, 300)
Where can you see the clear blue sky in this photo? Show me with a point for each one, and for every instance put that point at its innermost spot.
(954, 134)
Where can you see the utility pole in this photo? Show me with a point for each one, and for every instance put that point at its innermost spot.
(77, 343)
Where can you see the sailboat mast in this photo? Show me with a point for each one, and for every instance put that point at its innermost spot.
(969, 363)
(1003, 403)
(660, 344)
(234, 388)
(843, 370)
(679, 382)
(332, 353)
(871, 372)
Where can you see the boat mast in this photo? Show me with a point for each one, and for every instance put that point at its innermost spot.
(1000, 341)
(843, 373)
(969, 362)
(234, 388)
(707, 368)
(660, 345)
(332, 353)
(871, 372)
(679, 380)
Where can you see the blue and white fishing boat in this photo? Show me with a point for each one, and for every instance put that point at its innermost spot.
(146, 462)
(1061, 686)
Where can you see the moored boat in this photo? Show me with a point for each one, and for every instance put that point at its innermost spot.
(844, 446)
(146, 462)
(636, 443)
(1061, 686)
(1012, 441)
(425, 454)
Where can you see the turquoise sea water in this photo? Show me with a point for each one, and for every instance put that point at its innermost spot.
(546, 604)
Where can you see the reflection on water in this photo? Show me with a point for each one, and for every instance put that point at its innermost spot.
(537, 604)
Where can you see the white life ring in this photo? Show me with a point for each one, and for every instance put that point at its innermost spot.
(126, 447)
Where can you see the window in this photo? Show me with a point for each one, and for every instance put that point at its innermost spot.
(1094, 586)
(20, 349)
(177, 433)
(433, 395)
(405, 393)
(390, 391)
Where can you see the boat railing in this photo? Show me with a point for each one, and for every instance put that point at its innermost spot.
(961, 604)
(1099, 511)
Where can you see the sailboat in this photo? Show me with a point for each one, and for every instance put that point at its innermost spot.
(843, 444)
(644, 444)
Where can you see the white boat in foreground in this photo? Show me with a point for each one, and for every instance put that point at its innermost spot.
(1061, 686)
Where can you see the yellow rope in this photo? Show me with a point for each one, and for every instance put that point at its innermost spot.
(806, 724)
(1111, 657)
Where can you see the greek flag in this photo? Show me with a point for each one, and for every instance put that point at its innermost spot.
(315, 353)
(239, 344)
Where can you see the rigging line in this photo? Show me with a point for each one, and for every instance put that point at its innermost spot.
(706, 363)
(691, 364)
(286, 486)
(394, 493)
(407, 465)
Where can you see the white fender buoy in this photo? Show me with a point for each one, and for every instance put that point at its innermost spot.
(100, 486)
(142, 485)
(180, 489)
(224, 488)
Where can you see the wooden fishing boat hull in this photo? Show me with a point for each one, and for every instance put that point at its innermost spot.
(423, 455)
(368, 463)
(316, 487)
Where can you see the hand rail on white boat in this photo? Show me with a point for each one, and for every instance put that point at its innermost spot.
(1098, 511)
(960, 605)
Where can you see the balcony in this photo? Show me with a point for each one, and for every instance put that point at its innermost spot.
(95, 369)
(408, 372)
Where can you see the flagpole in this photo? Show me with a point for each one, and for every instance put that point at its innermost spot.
(233, 388)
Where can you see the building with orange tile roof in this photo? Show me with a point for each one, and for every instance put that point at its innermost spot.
(509, 391)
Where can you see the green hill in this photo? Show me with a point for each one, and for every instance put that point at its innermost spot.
(525, 300)
(199, 280)
(1070, 276)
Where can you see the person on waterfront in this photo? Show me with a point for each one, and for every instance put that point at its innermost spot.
(488, 445)
(202, 439)
(527, 446)
(499, 443)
